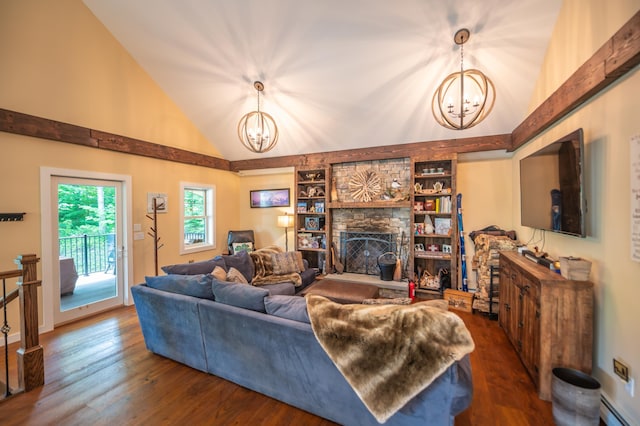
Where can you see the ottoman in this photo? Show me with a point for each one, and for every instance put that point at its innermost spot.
(342, 291)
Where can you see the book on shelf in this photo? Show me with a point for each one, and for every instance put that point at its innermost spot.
(302, 207)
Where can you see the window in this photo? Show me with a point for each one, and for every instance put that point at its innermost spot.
(197, 217)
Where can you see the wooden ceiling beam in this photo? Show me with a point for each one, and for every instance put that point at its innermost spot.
(614, 59)
(30, 125)
(415, 149)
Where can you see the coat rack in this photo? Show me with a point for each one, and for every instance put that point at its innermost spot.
(154, 233)
(11, 217)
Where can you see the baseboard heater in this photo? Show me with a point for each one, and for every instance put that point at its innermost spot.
(610, 415)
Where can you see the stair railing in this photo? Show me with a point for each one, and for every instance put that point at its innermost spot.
(30, 354)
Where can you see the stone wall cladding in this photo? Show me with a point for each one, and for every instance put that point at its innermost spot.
(388, 170)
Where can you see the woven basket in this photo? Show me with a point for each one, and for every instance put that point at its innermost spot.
(575, 268)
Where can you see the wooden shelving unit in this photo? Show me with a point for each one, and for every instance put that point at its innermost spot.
(312, 223)
(434, 237)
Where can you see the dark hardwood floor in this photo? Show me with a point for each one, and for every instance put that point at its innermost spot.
(99, 372)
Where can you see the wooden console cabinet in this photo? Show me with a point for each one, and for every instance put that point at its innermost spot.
(547, 318)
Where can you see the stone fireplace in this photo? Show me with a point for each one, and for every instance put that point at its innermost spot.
(364, 233)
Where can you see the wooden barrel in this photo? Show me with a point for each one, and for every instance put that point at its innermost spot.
(575, 398)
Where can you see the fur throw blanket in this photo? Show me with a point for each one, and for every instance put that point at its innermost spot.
(262, 260)
(388, 353)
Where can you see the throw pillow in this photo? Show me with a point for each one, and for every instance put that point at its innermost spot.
(238, 247)
(235, 276)
(242, 262)
(286, 263)
(195, 268)
(241, 296)
(289, 307)
(219, 273)
(189, 285)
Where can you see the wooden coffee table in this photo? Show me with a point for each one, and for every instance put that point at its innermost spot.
(342, 291)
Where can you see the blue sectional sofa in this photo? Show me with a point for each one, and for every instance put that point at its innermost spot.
(263, 342)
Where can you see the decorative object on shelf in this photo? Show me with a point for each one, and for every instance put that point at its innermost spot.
(417, 187)
(334, 190)
(365, 186)
(437, 186)
(418, 247)
(314, 191)
(304, 240)
(430, 205)
(269, 198)
(442, 225)
(286, 221)
(464, 98)
(428, 225)
(257, 130)
(319, 206)
(428, 281)
(313, 176)
(418, 206)
(311, 223)
(11, 217)
(302, 207)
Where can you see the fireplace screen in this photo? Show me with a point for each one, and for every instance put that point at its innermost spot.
(359, 251)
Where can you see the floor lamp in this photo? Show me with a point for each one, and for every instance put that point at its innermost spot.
(286, 221)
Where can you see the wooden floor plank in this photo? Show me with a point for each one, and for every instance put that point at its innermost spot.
(99, 372)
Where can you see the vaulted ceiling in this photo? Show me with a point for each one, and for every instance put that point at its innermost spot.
(338, 74)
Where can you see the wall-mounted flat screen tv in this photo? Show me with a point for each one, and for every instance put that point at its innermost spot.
(552, 187)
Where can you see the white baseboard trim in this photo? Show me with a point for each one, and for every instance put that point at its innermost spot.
(609, 414)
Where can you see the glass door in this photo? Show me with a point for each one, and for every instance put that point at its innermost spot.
(87, 216)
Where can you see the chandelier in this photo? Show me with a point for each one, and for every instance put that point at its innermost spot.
(257, 130)
(464, 98)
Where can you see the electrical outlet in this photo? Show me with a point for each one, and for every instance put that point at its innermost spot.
(621, 370)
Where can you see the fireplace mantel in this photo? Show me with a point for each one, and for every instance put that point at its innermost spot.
(370, 205)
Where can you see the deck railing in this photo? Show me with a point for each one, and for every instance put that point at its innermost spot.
(91, 253)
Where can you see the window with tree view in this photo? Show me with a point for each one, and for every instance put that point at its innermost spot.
(197, 217)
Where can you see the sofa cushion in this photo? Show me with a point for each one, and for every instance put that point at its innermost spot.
(195, 268)
(235, 276)
(240, 295)
(287, 262)
(289, 307)
(283, 289)
(189, 285)
(241, 261)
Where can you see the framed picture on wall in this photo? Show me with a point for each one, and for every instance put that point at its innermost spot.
(260, 198)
